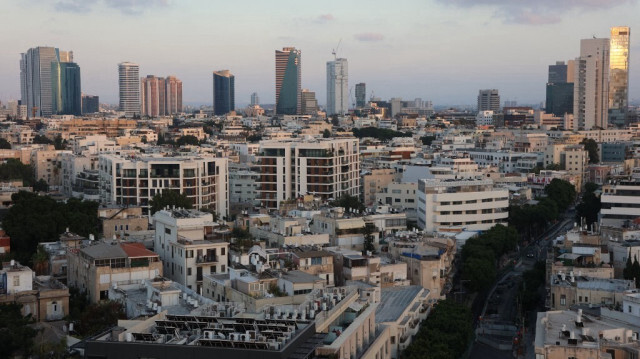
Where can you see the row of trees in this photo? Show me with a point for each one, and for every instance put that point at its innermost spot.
(33, 219)
(445, 334)
(383, 134)
(480, 255)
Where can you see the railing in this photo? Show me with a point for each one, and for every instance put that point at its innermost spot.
(206, 259)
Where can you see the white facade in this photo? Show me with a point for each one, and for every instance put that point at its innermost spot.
(456, 205)
(128, 180)
(620, 203)
(484, 118)
(591, 86)
(129, 88)
(337, 87)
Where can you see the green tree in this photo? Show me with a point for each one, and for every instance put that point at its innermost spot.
(58, 143)
(97, 317)
(562, 192)
(41, 186)
(383, 134)
(589, 206)
(13, 169)
(427, 140)
(4, 144)
(16, 334)
(349, 203)
(187, 140)
(170, 198)
(591, 146)
(368, 238)
(254, 138)
(43, 140)
(627, 272)
(326, 133)
(635, 271)
(335, 121)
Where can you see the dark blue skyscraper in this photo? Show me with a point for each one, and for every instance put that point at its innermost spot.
(223, 92)
(559, 89)
(288, 81)
(65, 88)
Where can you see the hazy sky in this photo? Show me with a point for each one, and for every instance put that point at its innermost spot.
(440, 50)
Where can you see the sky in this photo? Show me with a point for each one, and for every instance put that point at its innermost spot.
(438, 50)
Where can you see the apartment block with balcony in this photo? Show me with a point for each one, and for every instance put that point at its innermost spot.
(326, 168)
(181, 240)
(620, 203)
(133, 181)
(457, 205)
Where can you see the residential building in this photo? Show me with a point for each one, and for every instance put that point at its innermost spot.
(374, 182)
(224, 93)
(309, 102)
(361, 94)
(288, 231)
(181, 239)
(36, 78)
(559, 98)
(133, 181)
(90, 104)
(344, 231)
(120, 222)
(173, 95)
(337, 87)
(243, 189)
(129, 88)
(456, 205)
(591, 86)
(619, 75)
(255, 99)
(152, 96)
(488, 100)
(65, 88)
(569, 289)
(484, 118)
(288, 81)
(315, 262)
(620, 203)
(327, 168)
(94, 269)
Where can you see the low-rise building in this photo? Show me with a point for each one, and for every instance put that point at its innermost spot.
(568, 289)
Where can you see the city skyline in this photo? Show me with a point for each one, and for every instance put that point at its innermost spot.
(432, 55)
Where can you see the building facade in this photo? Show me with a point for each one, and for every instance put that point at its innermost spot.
(619, 75)
(488, 100)
(337, 87)
(35, 78)
(361, 94)
(65, 88)
(591, 87)
(288, 81)
(223, 92)
(129, 88)
(90, 104)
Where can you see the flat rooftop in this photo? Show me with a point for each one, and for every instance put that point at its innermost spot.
(394, 301)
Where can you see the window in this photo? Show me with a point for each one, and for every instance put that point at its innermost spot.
(188, 271)
(563, 300)
(222, 251)
(223, 268)
(167, 230)
(16, 281)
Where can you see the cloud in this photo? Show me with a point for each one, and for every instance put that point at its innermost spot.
(537, 12)
(128, 7)
(369, 36)
(325, 18)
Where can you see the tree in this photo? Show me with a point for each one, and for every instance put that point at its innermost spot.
(41, 186)
(58, 143)
(13, 169)
(97, 317)
(627, 272)
(4, 144)
(383, 134)
(427, 140)
(591, 146)
(589, 206)
(562, 192)
(43, 140)
(349, 203)
(368, 238)
(16, 334)
(170, 198)
(254, 138)
(187, 140)
(335, 121)
(635, 271)
(326, 133)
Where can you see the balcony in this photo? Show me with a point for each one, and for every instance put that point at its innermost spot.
(206, 259)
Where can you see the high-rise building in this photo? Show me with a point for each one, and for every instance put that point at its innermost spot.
(488, 100)
(152, 96)
(309, 102)
(65, 88)
(35, 78)
(173, 95)
(326, 168)
(361, 94)
(288, 81)
(129, 86)
(90, 104)
(224, 95)
(619, 75)
(591, 86)
(559, 99)
(337, 87)
(255, 99)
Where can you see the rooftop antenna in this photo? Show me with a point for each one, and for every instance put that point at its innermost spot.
(334, 52)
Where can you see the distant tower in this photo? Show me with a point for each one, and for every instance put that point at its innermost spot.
(560, 89)
(65, 88)
(255, 99)
(129, 85)
(337, 87)
(619, 75)
(173, 95)
(488, 100)
(361, 95)
(288, 81)
(152, 96)
(36, 81)
(223, 92)
(309, 102)
(591, 86)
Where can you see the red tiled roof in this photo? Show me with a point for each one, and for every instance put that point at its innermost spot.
(135, 250)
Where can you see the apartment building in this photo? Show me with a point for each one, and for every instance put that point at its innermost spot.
(133, 180)
(181, 239)
(620, 203)
(456, 205)
(327, 168)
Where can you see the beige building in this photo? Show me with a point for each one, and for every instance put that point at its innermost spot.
(374, 182)
(122, 221)
(568, 289)
(344, 231)
(95, 268)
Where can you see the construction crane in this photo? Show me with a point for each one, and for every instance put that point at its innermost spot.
(334, 52)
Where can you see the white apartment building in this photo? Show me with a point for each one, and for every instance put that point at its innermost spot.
(484, 118)
(400, 195)
(134, 180)
(180, 240)
(620, 203)
(456, 205)
(327, 168)
(506, 161)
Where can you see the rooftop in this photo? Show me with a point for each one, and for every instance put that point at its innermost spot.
(394, 301)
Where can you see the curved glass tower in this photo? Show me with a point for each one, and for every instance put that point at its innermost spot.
(288, 81)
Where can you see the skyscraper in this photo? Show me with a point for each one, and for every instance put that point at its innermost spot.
(309, 102)
(152, 96)
(129, 84)
(224, 94)
(288, 81)
(90, 104)
(337, 87)
(361, 95)
(35, 78)
(559, 89)
(619, 75)
(591, 86)
(488, 100)
(173, 97)
(255, 99)
(65, 88)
